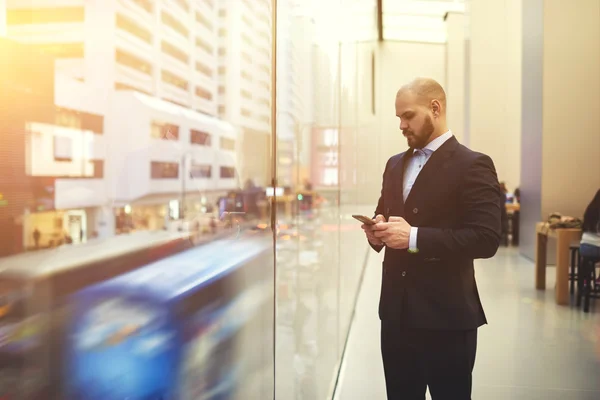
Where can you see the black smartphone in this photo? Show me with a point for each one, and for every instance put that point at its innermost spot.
(364, 220)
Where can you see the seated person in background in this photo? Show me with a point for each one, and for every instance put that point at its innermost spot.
(590, 241)
(504, 215)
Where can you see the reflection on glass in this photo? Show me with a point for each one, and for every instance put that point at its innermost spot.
(318, 253)
(133, 151)
(123, 153)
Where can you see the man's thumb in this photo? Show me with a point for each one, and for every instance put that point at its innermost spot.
(379, 218)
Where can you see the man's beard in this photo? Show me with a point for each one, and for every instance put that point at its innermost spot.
(419, 141)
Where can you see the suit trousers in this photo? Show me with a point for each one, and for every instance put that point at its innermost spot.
(414, 359)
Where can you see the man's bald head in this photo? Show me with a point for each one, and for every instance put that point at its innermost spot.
(421, 107)
(425, 91)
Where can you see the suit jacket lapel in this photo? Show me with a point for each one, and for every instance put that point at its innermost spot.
(431, 169)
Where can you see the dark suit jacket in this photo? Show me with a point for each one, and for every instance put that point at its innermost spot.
(456, 203)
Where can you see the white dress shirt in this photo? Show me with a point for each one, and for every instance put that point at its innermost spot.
(414, 167)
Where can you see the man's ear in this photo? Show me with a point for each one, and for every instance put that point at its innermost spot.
(436, 108)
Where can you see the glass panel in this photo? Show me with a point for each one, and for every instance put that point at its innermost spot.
(322, 122)
(136, 255)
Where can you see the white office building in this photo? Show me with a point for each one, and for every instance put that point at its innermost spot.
(245, 82)
(149, 68)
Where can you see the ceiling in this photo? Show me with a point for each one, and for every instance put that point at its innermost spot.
(418, 20)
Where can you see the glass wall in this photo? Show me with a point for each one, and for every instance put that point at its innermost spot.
(326, 71)
(136, 255)
(162, 234)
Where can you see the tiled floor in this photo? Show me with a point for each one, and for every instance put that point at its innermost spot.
(531, 349)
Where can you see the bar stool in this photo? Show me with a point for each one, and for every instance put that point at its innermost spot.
(574, 249)
(586, 282)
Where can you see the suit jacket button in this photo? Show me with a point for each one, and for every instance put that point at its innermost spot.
(415, 210)
(403, 273)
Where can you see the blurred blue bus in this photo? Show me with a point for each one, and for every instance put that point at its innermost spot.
(33, 290)
(197, 325)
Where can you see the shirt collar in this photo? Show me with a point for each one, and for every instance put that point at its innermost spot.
(438, 141)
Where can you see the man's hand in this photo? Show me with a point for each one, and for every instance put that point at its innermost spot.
(395, 233)
(370, 229)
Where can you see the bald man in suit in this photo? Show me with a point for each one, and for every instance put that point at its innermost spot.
(439, 210)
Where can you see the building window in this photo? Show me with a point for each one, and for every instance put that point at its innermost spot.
(174, 80)
(79, 120)
(202, 20)
(131, 27)
(63, 149)
(222, 51)
(145, 4)
(63, 50)
(174, 52)
(247, 20)
(222, 32)
(227, 143)
(246, 113)
(204, 69)
(199, 137)
(221, 89)
(247, 57)
(67, 118)
(227, 172)
(131, 61)
(329, 177)
(161, 130)
(222, 70)
(247, 39)
(184, 5)
(203, 45)
(246, 94)
(265, 118)
(221, 110)
(54, 15)
(164, 170)
(248, 4)
(203, 93)
(222, 13)
(171, 22)
(200, 171)
(264, 84)
(246, 76)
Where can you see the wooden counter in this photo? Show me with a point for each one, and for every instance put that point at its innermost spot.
(564, 239)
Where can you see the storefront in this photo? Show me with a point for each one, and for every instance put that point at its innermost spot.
(53, 228)
(131, 218)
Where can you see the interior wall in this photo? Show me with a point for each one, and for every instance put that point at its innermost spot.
(495, 84)
(571, 98)
(400, 62)
(455, 74)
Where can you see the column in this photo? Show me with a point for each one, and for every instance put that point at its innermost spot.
(455, 74)
(495, 84)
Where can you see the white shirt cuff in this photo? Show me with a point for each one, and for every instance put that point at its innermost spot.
(412, 240)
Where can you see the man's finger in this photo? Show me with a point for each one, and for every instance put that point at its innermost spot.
(396, 219)
(380, 234)
(380, 226)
